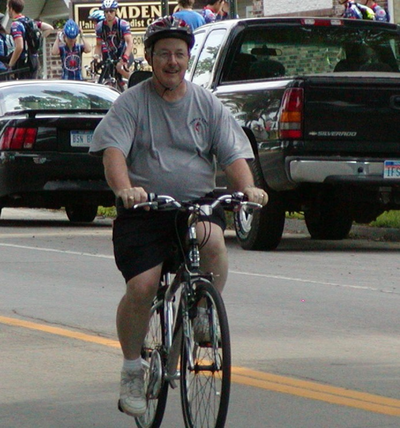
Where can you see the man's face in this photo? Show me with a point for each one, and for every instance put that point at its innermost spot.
(169, 60)
(110, 14)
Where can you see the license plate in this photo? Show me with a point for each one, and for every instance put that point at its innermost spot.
(81, 138)
(391, 169)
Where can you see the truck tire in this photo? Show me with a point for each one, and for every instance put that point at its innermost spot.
(81, 213)
(329, 221)
(262, 229)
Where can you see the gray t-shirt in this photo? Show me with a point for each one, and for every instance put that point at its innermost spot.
(171, 147)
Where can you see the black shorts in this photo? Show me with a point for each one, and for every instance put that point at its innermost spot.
(144, 239)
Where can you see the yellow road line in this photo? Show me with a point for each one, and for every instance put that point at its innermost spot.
(317, 391)
(60, 332)
(268, 381)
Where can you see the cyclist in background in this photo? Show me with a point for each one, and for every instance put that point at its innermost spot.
(21, 57)
(162, 136)
(114, 38)
(353, 10)
(211, 10)
(187, 14)
(70, 51)
(97, 16)
(380, 13)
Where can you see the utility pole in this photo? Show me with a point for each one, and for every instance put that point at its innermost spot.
(164, 8)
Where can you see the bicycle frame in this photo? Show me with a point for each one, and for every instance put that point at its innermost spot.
(205, 359)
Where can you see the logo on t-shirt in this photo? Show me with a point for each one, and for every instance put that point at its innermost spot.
(198, 123)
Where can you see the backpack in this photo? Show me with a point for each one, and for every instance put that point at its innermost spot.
(6, 47)
(33, 36)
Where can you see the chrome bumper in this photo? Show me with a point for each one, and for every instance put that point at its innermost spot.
(318, 171)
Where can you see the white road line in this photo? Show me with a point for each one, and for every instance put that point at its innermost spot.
(53, 250)
(310, 281)
(260, 275)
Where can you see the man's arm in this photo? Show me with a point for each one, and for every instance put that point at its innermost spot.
(98, 49)
(55, 50)
(128, 46)
(241, 179)
(116, 172)
(87, 47)
(19, 47)
(46, 28)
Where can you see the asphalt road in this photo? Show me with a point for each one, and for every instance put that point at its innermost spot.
(314, 330)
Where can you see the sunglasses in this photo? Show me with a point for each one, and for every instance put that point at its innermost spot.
(109, 10)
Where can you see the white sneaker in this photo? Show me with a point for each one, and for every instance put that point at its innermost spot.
(132, 399)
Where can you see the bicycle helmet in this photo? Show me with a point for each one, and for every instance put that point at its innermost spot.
(168, 27)
(109, 4)
(71, 29)
(97, 15)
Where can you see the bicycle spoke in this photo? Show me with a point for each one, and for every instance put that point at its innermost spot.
(205, 386)
(157, 389)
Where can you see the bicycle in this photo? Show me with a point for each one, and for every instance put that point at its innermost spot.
(109, 76)
(196, 330)
(138, 74)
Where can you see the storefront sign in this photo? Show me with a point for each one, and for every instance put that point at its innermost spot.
(138, 14)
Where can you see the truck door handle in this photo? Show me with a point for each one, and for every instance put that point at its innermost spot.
(395, 101)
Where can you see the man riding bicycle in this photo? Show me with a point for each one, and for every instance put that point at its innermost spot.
(163, 136)
(114, 38)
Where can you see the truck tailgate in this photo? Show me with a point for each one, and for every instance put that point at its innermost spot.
(356, 112)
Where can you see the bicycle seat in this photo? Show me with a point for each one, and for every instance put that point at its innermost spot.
(138, 76)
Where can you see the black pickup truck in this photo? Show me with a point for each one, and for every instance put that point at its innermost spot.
(319, 100)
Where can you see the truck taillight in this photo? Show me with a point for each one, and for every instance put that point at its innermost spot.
(15, 138)
(291, 114)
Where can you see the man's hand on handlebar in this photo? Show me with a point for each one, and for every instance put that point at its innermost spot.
(255, 194)
(132, 196)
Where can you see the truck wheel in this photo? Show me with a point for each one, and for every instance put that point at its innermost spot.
(81, 213)
(262, 229)
(328, 221)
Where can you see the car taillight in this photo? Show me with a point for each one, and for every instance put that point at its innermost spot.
(18, 138)
(291, 114)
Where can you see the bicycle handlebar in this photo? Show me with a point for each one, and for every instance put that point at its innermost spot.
(236, 200)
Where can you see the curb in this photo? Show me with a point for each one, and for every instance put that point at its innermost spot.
(356, 232)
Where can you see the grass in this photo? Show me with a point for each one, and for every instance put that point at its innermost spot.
(107, 211)
(388, 219)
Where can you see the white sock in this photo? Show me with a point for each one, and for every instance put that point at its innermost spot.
(132, 364)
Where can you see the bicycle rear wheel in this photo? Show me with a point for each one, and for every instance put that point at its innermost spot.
(205, 387)
(156, 387)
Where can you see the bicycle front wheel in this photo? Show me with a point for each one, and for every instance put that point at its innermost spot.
(156, 387)
(206, 361)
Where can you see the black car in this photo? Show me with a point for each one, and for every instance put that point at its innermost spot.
(45, 131)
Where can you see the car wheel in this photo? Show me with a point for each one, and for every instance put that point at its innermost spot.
(260, 229)
(81, 213)
(329, 220)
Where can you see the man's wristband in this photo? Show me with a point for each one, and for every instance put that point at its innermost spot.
(124, 58)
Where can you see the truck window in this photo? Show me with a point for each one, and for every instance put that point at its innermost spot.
(274, 51)
(205, 64)
(198, 37)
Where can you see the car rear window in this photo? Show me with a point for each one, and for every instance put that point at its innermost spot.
(53, 97)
